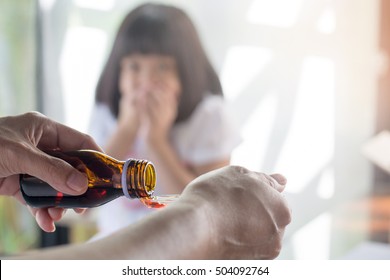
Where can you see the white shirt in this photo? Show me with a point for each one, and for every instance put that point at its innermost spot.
(209, 135)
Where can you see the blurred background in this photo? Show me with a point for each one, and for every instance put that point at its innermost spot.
(306, 80)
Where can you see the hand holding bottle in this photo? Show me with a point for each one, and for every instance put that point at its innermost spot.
(21, 140)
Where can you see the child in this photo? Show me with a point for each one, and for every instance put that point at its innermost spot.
(158, 98)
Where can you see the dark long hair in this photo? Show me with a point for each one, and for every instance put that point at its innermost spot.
(166, 30)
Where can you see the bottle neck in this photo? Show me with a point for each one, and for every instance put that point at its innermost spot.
(138, 178)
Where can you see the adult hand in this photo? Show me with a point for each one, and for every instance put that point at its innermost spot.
(22, 138)
(245, 211)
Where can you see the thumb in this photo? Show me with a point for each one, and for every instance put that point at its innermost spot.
(282, 181)
(56, 172)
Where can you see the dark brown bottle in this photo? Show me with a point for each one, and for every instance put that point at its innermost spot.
(108, 179)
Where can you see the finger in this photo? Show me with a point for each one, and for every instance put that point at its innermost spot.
(79, 210)
(56, 135)
(56, 172)
(161, 102)
(56, 213)
(18, 195)
(279, 178)
(165, 97)
(278, 182)
(44, 220)
(128, 101)
(284, 213)
(153, 111)
(152, 98)
(275, 181)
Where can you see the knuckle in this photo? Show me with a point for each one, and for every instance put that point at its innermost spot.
(88, 139)
(276, 249)
(54, 167)
(238, 169)
(33, 115)
(11, 156)
(285, 216)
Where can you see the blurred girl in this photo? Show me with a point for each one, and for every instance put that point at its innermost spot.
(159, 98)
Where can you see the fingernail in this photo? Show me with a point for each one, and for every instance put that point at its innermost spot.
(77, 181)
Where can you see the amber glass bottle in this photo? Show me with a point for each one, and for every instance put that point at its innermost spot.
(108, 179)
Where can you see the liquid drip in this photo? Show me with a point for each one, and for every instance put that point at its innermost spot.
(159, 201)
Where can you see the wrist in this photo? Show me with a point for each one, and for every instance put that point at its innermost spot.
(193, 230)
(203, 225)
(176, 232)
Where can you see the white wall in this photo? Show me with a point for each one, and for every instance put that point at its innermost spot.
(301, 82)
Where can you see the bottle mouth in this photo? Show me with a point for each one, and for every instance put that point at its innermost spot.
(150, 178)
(138, 178)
